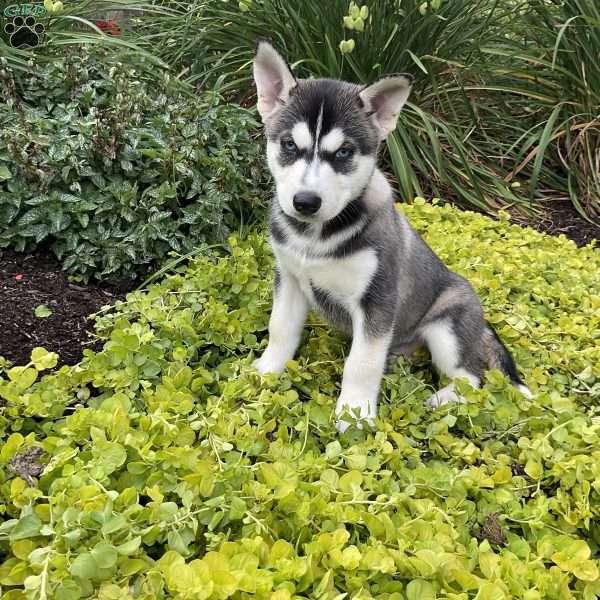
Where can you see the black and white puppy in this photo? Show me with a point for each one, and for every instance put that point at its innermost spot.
(342, 248)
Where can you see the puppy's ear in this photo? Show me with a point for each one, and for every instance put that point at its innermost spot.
(273, 78)
(384, 100)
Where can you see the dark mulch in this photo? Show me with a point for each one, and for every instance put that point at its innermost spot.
(562, 217)
(30, 280)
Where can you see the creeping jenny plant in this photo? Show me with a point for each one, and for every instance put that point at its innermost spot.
(164, 466)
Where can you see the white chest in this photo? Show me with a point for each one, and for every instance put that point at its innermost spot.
(344, 279)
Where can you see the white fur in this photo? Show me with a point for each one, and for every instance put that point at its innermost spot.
(362, 376)
(318, 131)
(443, 346)
(345, 279)
(332, 141)
(310, 244)
(445, 396)
(290, 308)
(525, 391)
(385, 98)
(302, 136)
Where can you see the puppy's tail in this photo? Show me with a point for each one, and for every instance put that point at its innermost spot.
(498, 357)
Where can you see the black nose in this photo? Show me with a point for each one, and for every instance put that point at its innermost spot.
(307, 203)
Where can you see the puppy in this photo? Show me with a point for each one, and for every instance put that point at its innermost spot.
(342, 248)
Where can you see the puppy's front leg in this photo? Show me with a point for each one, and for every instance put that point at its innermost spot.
(362, 376)
(290, 308)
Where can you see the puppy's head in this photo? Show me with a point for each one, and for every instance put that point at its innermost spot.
(322, 134)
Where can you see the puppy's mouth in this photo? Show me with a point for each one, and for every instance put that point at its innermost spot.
(318, 218)
(299, 222)
(310, 219)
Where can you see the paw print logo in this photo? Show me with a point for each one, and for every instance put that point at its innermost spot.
(24, 33)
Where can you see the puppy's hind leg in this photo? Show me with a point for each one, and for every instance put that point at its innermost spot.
(448, 352)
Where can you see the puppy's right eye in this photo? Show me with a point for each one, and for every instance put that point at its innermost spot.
(289, 145)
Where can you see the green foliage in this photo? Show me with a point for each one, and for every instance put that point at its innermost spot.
(438, 44)
(505, 107)
(73, 25)
(568, 76)
(115, 165)
(168, 468)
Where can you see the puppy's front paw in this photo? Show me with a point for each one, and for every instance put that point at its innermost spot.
(348, 407)
(266, 364)
(445, 396)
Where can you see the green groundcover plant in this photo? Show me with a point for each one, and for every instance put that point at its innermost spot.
(113, 163)
(164, 466)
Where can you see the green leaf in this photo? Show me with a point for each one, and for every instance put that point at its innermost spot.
(84, 566)
(68, 590)
(27, 527)
(333, 450)
(42, 359)
(418, 589)
(24, 377)
(237, 509)
(104, 555)
(130, 547)
(114, 524)
(4, 173)
(11, 447)
(534, 469)
(42, 311)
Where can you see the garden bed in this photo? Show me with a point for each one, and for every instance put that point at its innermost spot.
(561, 217)
(28, 281)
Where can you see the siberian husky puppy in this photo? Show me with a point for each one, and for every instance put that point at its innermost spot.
(342, 248)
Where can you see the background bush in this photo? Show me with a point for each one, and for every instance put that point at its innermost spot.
(164, 466)
(112, 163)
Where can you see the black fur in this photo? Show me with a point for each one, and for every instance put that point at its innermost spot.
(507, 362)
(379, 301)
(353, 212)
(277, 277)
(299, 227)
(341, 108)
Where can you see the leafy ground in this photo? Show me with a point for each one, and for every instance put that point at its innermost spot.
(164, 466)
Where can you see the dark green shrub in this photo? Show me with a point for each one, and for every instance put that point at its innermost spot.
(114, 166)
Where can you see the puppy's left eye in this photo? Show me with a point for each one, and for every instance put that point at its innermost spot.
(344, 152)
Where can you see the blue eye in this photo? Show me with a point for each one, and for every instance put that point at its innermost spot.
(344, 152)
(289, 145)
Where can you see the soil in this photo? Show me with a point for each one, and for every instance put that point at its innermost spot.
(562, 217)
(30, 280)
